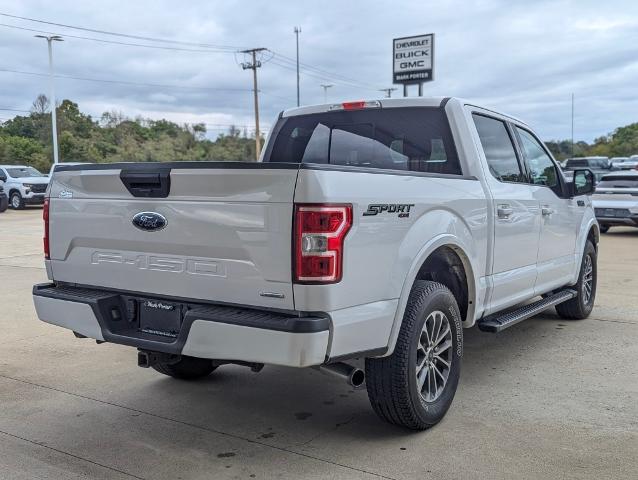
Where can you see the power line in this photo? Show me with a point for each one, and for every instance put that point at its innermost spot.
(114, 42)
(326, 73)
(282, 60)
(125, 82)
(14, 110)
(277, 61)
(204, 48)
(125, 35)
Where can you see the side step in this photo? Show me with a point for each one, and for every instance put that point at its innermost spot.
(497, 322)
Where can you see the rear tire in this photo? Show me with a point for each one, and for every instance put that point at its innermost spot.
(188, 368)
(415, 386)
(604, 228)
(16, 201)
(582, 304)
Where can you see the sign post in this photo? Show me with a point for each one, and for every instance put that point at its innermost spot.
(413, 61)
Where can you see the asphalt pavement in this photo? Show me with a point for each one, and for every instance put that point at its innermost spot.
(546, 399)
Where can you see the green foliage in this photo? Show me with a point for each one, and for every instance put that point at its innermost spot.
(114, 138)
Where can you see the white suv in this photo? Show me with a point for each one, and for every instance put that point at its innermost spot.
(24, 185)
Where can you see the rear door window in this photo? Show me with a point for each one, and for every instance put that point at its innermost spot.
(499, 149)
(411, 139)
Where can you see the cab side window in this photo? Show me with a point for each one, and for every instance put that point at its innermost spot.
(499, 150)
(542, 169)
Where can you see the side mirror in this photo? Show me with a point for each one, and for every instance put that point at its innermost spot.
(583, 183)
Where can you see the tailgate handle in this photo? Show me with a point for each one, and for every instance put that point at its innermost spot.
(155, 184)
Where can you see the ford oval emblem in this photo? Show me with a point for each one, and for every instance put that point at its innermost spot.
(149, 221)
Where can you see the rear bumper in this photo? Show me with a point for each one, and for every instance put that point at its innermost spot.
(218, 332)
(631, 221)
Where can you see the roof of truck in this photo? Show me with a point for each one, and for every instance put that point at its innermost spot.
(396, 102)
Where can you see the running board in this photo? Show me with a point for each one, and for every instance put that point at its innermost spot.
(496, 323)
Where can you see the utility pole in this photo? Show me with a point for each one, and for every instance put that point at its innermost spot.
(54, 120)
(254, 65)
(572, 125)
(388, 91)
(325, 87)
(297, 32)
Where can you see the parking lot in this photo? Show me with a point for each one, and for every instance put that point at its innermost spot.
(548, 398)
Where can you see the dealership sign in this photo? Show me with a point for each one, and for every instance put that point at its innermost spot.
(413, 59)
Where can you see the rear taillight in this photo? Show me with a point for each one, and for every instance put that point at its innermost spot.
(45, 217)
(320, 230)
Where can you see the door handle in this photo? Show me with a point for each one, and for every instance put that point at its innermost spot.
(504, 211)
(546, 210)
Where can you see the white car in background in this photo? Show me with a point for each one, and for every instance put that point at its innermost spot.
(23, 185)
(625, 163)
(616, 200)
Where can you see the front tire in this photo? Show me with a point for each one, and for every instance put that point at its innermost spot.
(582, 304)
(188, 368)
(414, 387)
(16, 201)
(604, 228)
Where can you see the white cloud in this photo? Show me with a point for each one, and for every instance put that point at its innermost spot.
(523, 57)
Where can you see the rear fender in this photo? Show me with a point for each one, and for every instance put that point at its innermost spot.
(458, 236)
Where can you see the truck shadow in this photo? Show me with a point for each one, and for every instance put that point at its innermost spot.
(300, 406)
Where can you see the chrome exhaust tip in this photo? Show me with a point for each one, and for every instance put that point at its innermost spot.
(354, 376)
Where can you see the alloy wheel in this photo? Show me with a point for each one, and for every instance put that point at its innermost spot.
(588, 280)
(433, 356)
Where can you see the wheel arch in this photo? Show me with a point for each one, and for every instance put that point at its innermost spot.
(445, 260)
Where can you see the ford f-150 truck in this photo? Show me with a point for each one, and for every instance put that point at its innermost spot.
(372, 230)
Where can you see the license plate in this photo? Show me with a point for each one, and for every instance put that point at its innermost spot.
(160, 318)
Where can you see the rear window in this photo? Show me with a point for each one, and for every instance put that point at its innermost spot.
(412, 139)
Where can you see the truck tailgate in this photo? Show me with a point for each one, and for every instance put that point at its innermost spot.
(226, 238)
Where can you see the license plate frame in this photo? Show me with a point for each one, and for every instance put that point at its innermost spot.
(161, 318)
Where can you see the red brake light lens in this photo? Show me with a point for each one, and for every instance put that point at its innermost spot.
(358, 105)
(354, 105)
(45, 217)
(320, 231)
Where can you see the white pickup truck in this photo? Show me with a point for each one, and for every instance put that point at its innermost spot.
(372, 230)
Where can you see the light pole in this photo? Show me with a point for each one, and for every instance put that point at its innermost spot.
(54, 127)
(325, 87)
(297, 31)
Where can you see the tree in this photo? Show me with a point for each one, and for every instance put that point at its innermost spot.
(40, 105)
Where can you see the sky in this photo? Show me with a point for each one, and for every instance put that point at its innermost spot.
(525, 58)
